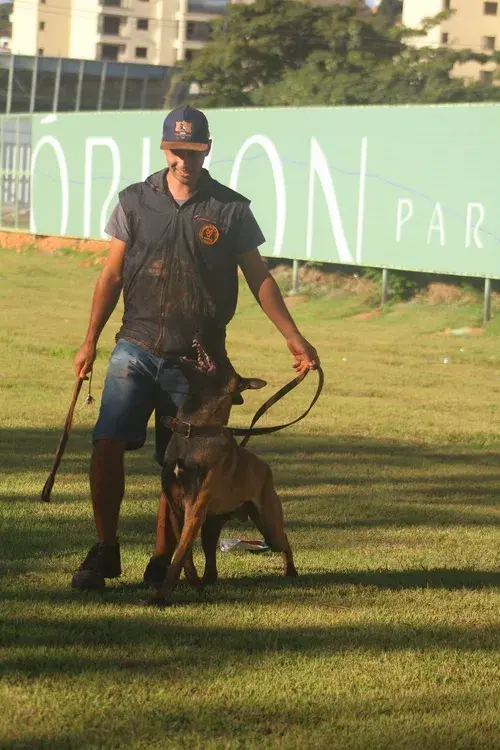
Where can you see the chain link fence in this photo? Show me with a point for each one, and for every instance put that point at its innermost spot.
(15, 179)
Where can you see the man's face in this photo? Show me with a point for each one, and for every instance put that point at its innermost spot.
(185, 165)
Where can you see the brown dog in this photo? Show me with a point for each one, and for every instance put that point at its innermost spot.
(207, 477)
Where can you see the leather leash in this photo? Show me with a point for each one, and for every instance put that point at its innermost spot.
(273, 400)
(188, 430)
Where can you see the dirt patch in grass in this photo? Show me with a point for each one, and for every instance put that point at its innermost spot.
(292, 300)
(466, 331)
(21, 241)
(366, 315)
(314, 281)
(438, 293)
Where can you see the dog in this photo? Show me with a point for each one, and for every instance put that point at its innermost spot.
(207, 477)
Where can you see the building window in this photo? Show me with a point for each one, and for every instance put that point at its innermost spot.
(490, 9)
(197, 31)
(488, 43)
(142, 24)
(141, 52)
(110, 51)
(112, 3)
(40, 51)
(444, 37)
(486, 76)
(110, 25)
(41, 25)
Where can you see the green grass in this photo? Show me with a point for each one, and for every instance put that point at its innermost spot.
(390, 637)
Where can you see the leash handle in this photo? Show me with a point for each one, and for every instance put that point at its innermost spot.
(273, 400)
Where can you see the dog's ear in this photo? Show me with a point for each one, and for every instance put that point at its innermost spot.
(251, 384)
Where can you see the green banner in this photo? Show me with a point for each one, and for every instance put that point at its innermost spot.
(410, 188)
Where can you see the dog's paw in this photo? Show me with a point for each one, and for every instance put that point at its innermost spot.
(160, 602)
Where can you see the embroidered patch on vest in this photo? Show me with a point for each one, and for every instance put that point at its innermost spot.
(209, 234)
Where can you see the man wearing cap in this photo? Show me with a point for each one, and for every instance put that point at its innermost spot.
(177, 241)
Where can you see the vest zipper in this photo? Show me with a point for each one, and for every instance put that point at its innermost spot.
(164, 286)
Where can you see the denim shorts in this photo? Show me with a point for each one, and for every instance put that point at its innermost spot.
(138, 383)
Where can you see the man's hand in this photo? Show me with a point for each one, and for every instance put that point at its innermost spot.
(305, 355)
(84, 359)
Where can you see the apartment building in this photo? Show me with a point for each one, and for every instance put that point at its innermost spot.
(158, 32)
(475, 24)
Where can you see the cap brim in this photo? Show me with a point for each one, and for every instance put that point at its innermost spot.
(184, 145)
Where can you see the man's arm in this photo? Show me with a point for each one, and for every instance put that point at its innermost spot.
(267, 293)
(106, 295)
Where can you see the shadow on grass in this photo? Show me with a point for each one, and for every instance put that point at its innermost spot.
(48, 646)
(373, 484)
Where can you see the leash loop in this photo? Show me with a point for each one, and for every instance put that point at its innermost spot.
(248, 432)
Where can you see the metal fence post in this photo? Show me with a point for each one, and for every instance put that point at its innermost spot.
(144, 92)
(385, 286)
(57, 85)
(102, 83)
(10, 84)
(34, 76)
(487, 300)
(79, 85)
(295, 277)
(123, 89)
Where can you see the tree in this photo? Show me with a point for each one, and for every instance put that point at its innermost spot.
(389, 12)
(277, 52)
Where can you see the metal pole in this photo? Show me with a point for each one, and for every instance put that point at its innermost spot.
(34, 76)
(57, 86)
(144, 92)
(8, 103)
(102, 83)
(385, 286)
(487, 300)
(295, 277)
(79, 84)
(123, 90)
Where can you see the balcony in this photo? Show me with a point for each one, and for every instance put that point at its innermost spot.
(197, 31)
(113, 28)
(114, 7)
(212, 7)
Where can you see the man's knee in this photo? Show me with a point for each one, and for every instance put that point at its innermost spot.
(104, 448)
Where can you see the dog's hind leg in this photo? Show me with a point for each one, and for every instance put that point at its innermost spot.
(210, 532)
(267, 515)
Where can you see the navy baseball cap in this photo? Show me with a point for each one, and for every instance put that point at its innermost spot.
(185, 127)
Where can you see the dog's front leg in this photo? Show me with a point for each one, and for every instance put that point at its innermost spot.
(195, 511)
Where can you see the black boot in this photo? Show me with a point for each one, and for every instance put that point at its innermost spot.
(102, 561)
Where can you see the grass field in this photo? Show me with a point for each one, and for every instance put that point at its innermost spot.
(390, 638)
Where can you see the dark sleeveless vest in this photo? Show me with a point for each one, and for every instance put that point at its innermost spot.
(180, 275)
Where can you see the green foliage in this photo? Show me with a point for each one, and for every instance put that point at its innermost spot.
(277, 53)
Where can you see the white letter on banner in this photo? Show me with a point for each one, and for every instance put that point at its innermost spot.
(361, 200)
(87, 197)
(403, 219)
(63, 173)
(319, 166)
(437, 227)
(146, 157)
(279, 182)
(478, 223)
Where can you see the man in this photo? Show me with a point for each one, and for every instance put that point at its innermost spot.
(177, 241)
